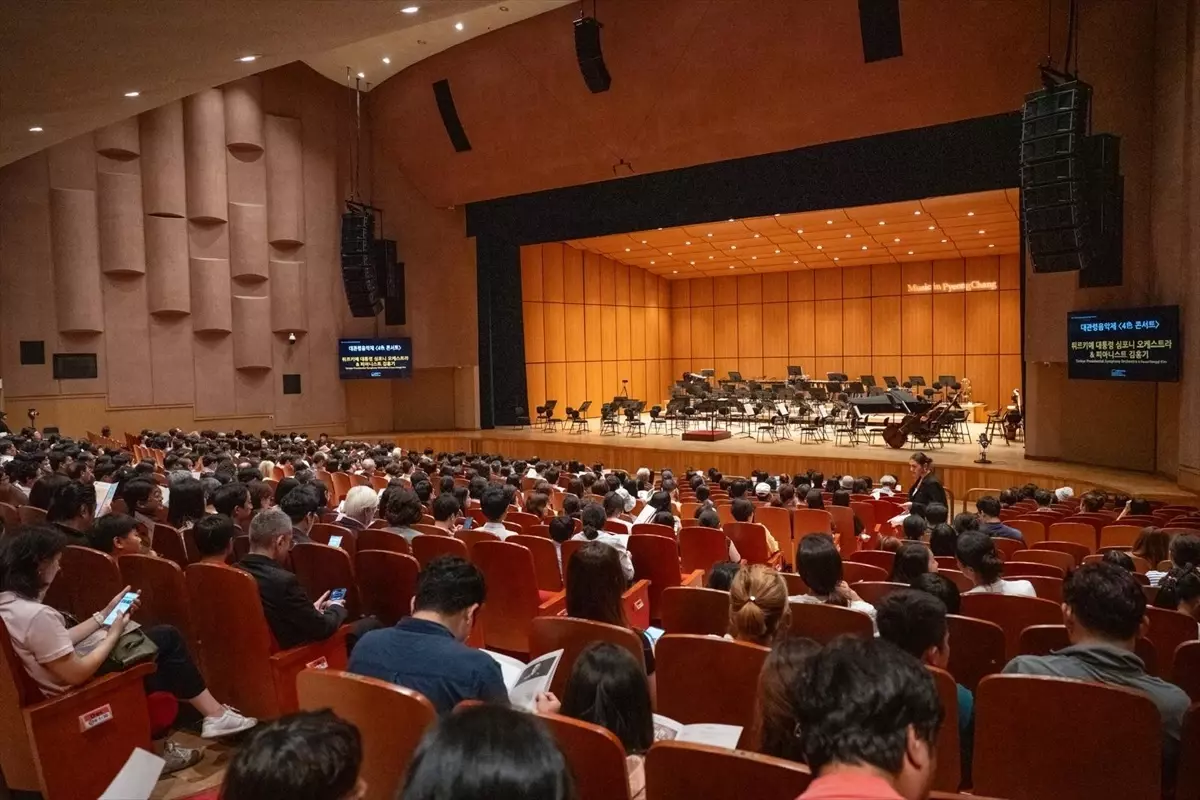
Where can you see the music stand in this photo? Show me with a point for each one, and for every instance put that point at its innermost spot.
(736, 377)
(916, 380)
(947, 380)
(868, 381)
(795, 371)
(891, 382)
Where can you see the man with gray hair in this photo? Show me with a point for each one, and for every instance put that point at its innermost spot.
(887, 487)
(358, 509)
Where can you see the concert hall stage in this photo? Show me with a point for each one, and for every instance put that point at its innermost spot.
(739, 456)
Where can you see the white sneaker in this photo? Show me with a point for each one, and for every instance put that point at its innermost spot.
(227, 724)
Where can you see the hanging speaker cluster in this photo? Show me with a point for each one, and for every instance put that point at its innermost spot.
(587, 51)
(358, 261)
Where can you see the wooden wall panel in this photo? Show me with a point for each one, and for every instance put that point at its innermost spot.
(948, 321)
(531, 274)
(702, 332)
(592, 345)
(556, 332)
(856, 328)
(827, 340)
(591, 276)
(750, 289)
(1010, 321)
(885, 326)
(749, 341)
(594, 384)
(801, 328)
(637, 331)
(885, 280)
(608, 333)
(573, 329)
(725, 331)
(1010, 377)
(608, 282)
(856, 282)
(984, 372)
(610, 382)
(576, 391)
(681, 294)
(827, 284)
(982, 322)
(800, 285)
(681, 333)
(725, 291)
(916, 317)
(774, 331)
(572, 274)
(621, 276)
(637, 381)
(652, 349)
(856, 366)
(535, 342)
(701, 291)
(552, 274)
(623, 348)
(535, 386)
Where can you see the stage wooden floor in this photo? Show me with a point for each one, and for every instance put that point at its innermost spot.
(739, 456)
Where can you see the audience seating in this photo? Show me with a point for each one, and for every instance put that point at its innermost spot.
(1187, 783)
(1032, 530)
(244, 664)
(1047, 587)
(654, 529)
(572, 635)
(164, 598)
(949, 761)
(1006, 547)
(422, 527)
(795, 584)
(866, 513)
(700, 548)
(1081, 533)
(594, 755)
(321, 568)
(390, 718)
(1186, 670)
(823, 623)
(169, 543)
(1023, 569)
(473, 537)
(427, 548)
(1013, 614)
(322, 531)
(688, 609)
(779, 522)
(241, 548)
(545, 561)
(387, 583)
(1041, 640)
(10, 516)
(958, 579)
(1065, 562)
(540, 531)
(677, 770)
(375, 539)
(31, 515)
(853, 572)
(707, 679)
(874, 591)
(1168, 630)
(750, 539)
(522, 520)
(1076, 550)
(513, 599)
(42, 749)
(87, 582)
(977, 649)
(883, 559)
(1119, 535)
(1021, 755)
(656, 559)
(843, 524)
(810, 520)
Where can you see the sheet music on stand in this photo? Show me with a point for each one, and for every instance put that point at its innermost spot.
(748, 409)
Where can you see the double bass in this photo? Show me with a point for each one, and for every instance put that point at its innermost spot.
(924, 427)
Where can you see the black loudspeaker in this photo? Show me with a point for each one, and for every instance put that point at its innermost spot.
(390, 276)
(358, 263)
(879, 23)
(454, 128)
(1106, 204)
(591, 60)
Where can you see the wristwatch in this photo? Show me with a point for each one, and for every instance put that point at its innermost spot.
(98, 619)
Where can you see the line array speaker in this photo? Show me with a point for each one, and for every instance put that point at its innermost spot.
(358, 263)
(389, 274)
(587, 51)
(446, 107)
(879, 23)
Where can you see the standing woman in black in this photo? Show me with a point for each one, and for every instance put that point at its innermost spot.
(926, 488)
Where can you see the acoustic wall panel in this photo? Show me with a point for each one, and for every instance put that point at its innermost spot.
(775, 330)
(211, 308)
(287, 285)
(243, 114)
(621, 283)
(982, 324)
(248, 242)
(76, 256)
(285, 180)
(168, 284)
(171, 357)
(204, 156)
(119, 140)
(556, 332)
(163, 171)
(72, 163)
(535, 333)
(119, 208)
(216, 391)
(127, 340)
(552, 273)
(750, 289)
(637, 327)
(251, 332)
(622, 320)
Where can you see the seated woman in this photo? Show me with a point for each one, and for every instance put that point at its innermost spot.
(595, 585)
(593, 531)
(912, 560)
(44, 489)
(72, 510)
(1154, 545)
(1179, 590)
(774, 709)
(538, 504)
(820, 566)
(403, 510)
(186, 503)
(609, 689)
(943, 540)
(758, 606)
(979, 561)
(59, 658)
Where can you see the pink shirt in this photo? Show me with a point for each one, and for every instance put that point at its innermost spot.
(39, 635)
(850, 786)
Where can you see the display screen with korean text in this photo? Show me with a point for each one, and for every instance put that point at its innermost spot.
(1125, 344)
(374, 358)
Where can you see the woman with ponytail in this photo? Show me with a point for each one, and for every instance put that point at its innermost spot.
(758, 606)
(979, 561)
(1179, 591)
(593, 517)
(820, 566)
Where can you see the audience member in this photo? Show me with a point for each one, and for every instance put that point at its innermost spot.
(117, 535)
(1179, 590)
(214, 537)
(820, 566)
(942, 588)
(915, 528)
(595, 584)
(494, 505)
(301, 506)
(743, 511)
(936, 514)
(989, 520)
(445, 512)
(943, 540)
(233, 500)
(758, 606)
(402, 510)
(979, 561)
(775, 705)
(1119, 558)
(722, 574)
(926, 488)
(964, 522)
(1184, 550)
(593, 517)
(1154, 545)
(358, 509)
(42, 493)
(912, 560)
(187, 503)
(310, 755)
(72, 509)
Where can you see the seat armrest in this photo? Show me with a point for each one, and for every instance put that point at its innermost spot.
(696, 578)
(555, 606)
(636, 600)
(95, 691)
(287, 664)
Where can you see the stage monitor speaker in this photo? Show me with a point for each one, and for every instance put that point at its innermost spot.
(358, 263)
(879, 23)
(591, 60)
(389, 275)
(454, 128)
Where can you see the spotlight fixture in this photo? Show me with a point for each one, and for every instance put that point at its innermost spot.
(916, 213)
(387, 60)
(458, 26)
(970, 213)
(248, 59)
(362, 75)
(36, 129)
(132, 94)
(410, 9)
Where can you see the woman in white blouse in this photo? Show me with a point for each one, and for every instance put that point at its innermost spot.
(979, 561)
(820, 566)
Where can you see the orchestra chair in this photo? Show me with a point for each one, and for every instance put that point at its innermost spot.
(750, 539)
(700, 548)
(1119, 535)
(1168, 630)
(390, 719)
(87, 582)
(377, 539)
(1013, 614)
(1006, 547)
(1187, 782)
(376, 524)
(513, 598)
(948, 776)
(855, 572)
(321, 531)
(1020, 756)
(169, 543)
(341, 485)
(596, 757)
(779, 522)
(1032, 530)
(10, 516)
(42, 748)
(883, 559)
(707, 679)
(243, 663)
(1042, 640)
(874, 591)
(1023, 569)
(572, 636)
(643, 528)
(1074, 556)
(676, 770)
(687, 609)
(545, 561)
(656, 559)
(31, 515)
(957, 578)
(823, 623)
(164, 599)
(1046, 587)
(511, 527)
(1080, 533)
(474, 536)
(321, 568)
(977, 649)
(387, 583)
(1185, 669)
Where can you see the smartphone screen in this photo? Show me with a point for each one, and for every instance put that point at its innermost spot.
(335, 541)
(337, 594)
(121, 607)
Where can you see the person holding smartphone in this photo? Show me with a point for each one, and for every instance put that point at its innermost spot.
(59, 658)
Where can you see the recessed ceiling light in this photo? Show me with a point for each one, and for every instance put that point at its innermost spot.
(652, 262)
(916, 213)
(687, 243)
(670, 253)
(410, 9)
(362, 75)
(626, 249)
(458, 26)
(731, 219)
(981, 230)
(991, 245)
(731, 266)
(864, 247)
(132, 94)
(754, 258)
(800, 230)
(504, 8)
(643, 241)
(691, 262)
(828, 222)
(757, 235)
(777, 252)
(387, 60)
(777, 215)
(897, 240)
(733, 247)
(848, 236)
(835, 258)
(931, 227)
(797, 261)
(970, 213)
(673, 272)
(36, 129)
(881, 222)
(944, 241)
(248, 59)
(910, 252)
(709, 235)
(820, 247)
(710, 258)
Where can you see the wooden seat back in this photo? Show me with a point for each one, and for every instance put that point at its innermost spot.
(843, 523)
(750, 539)
(1013, 614)
(656, 559)
(1077, 551)
(874, 591)
(883, 559)
(390, 719)
(1168, 630)
(823, 623)
(387, 582)
(1023, 569)
(472, 537)
(865, 511)
(1011, 729)
(722, 692)
(164, 599)
(512, 594)
(10, 516)
(687, 609)
(779, 522)
(169, 543)
(572, 636)
(1065, 562)
(977, 649)
(960, 581)
(522, 520)
(1006, 547)
(1042, 640)
(31, 515)
(949, 762)
(321, 568)
(86, 583)
(321, 532)
(854, 572)
(809, 520)
(595, 756)
(1033, 530)
(1118, 535)
(677, 770)
(1185, 670)
(652, 528)
(1081, 533)
(700, 548)
(545, 561)
(341, 485)
(378, 539)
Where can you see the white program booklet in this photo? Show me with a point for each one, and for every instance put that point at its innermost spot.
(105, 492)
(137, 779)
(525, 681)
(667, 729)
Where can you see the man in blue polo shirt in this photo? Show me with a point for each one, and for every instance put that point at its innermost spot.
(989, 520)
(425, 652)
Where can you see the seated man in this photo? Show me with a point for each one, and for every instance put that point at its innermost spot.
(614, 507)
(1105, 613)
(915, 621)
(868, 715)
(294, 619)
(311, 754)
(743, 511)
(936, 514)
(426, 652)
(117, 535)
(358, 509)
(494, 506)
(301, 506)
(989, 520)
(1043, 499)
(445, 512)
(214, 536)
(233, 500)
(915, 528)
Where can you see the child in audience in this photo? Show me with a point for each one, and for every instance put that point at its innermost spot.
(979, 561)
(943, 540)
(913, 559)
(758, 606)
(608, 688)
(775, 707)
(820, 566)
(312, 755)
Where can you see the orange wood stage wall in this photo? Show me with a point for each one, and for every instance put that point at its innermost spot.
(590, 322)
